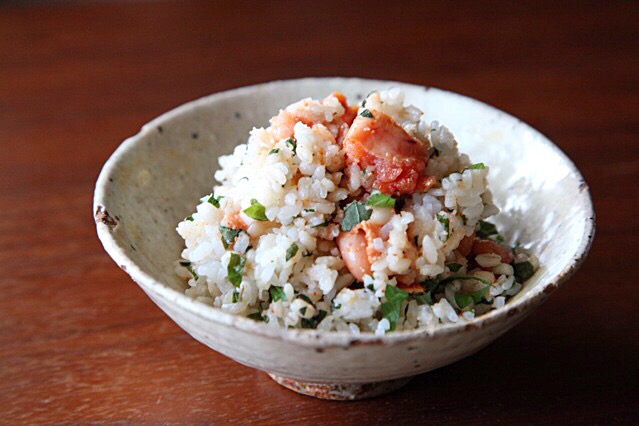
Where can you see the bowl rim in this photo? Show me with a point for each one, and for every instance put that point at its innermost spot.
(319, 338)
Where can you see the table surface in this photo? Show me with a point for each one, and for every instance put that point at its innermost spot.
(79, 341)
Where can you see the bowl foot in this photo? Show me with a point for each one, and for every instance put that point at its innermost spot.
(341, 391)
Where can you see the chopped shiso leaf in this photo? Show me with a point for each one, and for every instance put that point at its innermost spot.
(486, 229)
(313, 322)
(479, 294)
(274, 151)
(305, 298)
(431, 286)
(228, 235)
(293, 144)
(321, 225)
(256, 211)
(523, 271)
(367, 114)
(277, 293)
(303, 310)
(235, 269)
(477, 166)
(454, 267)
(235, 296)
(189, 218)
(354, 213)
(423, 299)
(335, 306)
(463, 300)
(377, 199)
(215, 200)
(309, 210)
(445, 223)
(257, 316)
(189, 267)
(464, 277)
(392, 307)
(371, 287)
(291, 251)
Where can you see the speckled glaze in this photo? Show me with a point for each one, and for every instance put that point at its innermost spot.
(155, 178)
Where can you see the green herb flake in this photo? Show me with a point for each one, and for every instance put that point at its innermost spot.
(454, 267)
(354, 213)
(371, 287)
(293, 144)
(228, 235)
(464, 277)
(377, 199)
(274, 151)
(431, 287)
(256, 211)
(391, 309)
(309, 210)
(291, 251)
(313, 322)
(423, 299)
(445, 221)
(277, 293)
(486, 229)
(236, 294)
(335, 306)
(523, 271)
(463, 300)
(257, 316)
(303, 310)
(189, 218)
(477, 166)
(215, 200)
(189, 267)
(235, 269)
(306, 299)
(479, 294)
(366, 114)
(322, 225)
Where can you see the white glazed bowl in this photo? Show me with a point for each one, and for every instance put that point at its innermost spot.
(155, 178)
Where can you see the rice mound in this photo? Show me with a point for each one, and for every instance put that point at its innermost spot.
(266, 243)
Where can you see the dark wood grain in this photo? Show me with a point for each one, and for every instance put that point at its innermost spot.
(80, 342)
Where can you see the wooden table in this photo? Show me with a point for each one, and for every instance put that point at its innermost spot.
(80, 342)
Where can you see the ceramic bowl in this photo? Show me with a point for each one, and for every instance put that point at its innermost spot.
(155, 178)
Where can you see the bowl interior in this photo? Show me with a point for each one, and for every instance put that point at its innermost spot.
(156, 178)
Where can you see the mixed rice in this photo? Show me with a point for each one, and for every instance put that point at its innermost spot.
(358, 218)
